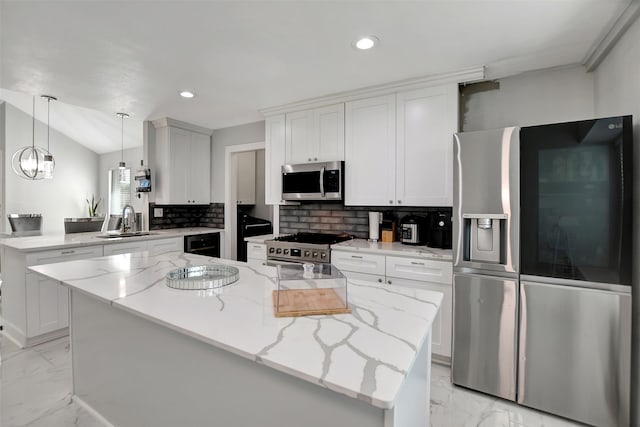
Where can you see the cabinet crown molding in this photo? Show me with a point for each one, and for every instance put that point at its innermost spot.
(167, 121)
(468, 75)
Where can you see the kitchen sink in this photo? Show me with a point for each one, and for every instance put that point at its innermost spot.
(118, 234)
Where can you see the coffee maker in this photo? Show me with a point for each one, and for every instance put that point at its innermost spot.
(439, 230)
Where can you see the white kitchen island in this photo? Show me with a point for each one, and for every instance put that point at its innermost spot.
(146, 354)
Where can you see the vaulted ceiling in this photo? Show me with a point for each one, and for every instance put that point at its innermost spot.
(242, 56)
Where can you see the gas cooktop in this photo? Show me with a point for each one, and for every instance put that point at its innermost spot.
(304, 247)
(315, 238)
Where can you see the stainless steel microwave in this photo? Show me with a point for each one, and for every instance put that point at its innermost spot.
(313, 181)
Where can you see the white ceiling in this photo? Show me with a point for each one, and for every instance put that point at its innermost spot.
(241, 56)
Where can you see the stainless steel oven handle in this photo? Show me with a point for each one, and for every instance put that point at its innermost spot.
(322, 181)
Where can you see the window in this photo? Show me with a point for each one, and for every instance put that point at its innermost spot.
(119, 192)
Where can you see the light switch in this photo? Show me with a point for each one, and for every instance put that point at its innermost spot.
(158, 212)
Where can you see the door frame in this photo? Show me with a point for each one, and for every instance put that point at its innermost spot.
(230, 201)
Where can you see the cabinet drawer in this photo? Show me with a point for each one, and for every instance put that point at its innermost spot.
(359, 263)
(61, 255)
(419, 269)
(354, 275)
(256, 251)
(161, 246)
(124, 248)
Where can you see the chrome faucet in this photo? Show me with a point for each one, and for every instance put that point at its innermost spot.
(126, 222)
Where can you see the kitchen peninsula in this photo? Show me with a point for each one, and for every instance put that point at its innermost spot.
(147, 354)
(35, 310)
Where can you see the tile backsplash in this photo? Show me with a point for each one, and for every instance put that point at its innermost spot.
(183, 216)
(335, 217)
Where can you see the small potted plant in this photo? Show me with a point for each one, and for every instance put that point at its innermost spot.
(93, 206)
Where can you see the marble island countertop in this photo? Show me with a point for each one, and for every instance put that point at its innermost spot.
(365, 355)
(394, 249)
(73, 240)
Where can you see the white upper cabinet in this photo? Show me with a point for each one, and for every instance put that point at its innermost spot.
(399, 148)
(246, 179)
(274, 158)
(315, 135)
(183, 165)
(426, 121)
(370, 152)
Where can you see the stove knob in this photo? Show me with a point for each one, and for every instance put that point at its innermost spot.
(286, 251)
(315, 254)
(323, 255)
(278, 251)
(272, 250)
(306, 253)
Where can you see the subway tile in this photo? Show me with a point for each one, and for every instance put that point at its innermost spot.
(310, 219)
(331, 220)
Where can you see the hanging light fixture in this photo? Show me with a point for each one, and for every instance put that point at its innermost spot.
(29, 162)
(122, 171)
(49, 163)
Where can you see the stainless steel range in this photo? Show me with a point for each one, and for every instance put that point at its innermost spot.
(303, 247)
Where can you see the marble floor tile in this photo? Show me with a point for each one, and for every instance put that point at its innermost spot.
(35, 391)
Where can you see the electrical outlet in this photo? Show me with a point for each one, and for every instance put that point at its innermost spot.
(158, 212)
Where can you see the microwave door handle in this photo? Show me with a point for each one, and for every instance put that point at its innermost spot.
(322, 181)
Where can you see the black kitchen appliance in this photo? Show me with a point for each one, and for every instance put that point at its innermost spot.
(203, 244)
(249, 226)
(439, 230)
(413, 230)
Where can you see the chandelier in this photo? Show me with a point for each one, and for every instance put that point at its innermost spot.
(31, 162)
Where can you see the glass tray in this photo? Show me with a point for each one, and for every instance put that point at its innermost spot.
(202, 277)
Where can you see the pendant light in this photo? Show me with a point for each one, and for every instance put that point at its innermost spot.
(29, 162)
(122, 171)
(49, 163)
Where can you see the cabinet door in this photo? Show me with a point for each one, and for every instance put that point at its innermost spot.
(419, 269)
(442, 324)
(246, 178)
(357, 262)
(328, 126)
(124, 248)
(274, 158)
(48, 308)
(427, 119)
(199, 170)
(256, 251)
(178, 166)
(165, 245)
(370, 132)
(299, 137)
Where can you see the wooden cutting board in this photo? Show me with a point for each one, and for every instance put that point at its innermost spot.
(306, 302)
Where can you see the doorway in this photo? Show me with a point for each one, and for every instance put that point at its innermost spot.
(244, 190)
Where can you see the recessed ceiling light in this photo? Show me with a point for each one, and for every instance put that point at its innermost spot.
(187, 94)
(366, 42)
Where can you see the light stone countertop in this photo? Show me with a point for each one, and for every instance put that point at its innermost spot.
(394, 249)
(74, 240)
(365, 355)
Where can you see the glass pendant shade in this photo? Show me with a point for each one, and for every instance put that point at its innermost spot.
(122, 171)
(31, 162)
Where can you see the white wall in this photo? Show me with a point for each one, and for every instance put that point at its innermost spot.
(75, 176)
(617, 92)
(243, 134)
(108, 161)
(548, 96)
(261, 210)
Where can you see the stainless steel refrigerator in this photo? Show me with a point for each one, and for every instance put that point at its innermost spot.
(542, 267)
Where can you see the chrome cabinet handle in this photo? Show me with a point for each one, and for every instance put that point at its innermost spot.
(379, 280)
(417, 263)
(389, 281)
(399, 201)
(390, 202)
(315, 159)
(309, 159)
(67, 252)
(356, 256)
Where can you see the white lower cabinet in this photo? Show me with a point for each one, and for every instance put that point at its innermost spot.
(256, 254)
(406, 271)
(47, 302)
(154, 247)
